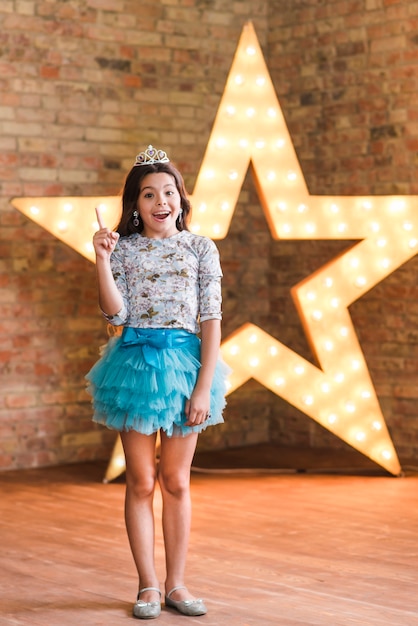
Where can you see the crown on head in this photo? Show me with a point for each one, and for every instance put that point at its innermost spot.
(150, 156)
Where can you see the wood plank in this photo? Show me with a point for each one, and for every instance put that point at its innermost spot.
(266, 549)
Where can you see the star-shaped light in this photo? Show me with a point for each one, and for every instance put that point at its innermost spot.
(250, 128)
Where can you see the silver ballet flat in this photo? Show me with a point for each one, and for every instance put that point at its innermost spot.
(147, 610)
(185, 607)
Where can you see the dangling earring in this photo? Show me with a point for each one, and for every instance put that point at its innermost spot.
(135, 220)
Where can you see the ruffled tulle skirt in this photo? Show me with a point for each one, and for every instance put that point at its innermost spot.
(144, 377)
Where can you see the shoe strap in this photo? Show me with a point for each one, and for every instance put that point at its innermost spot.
(175, 589)
(149, 589)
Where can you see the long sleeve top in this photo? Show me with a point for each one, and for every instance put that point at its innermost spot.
(167, 283)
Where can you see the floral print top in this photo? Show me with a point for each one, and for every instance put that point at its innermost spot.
(167, 283)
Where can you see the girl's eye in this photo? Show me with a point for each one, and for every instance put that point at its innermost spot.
(170, 193)
(148, 195)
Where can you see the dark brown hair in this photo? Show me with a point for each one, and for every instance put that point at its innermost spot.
(130, 194)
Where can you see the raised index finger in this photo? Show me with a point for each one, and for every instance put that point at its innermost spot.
(100, 218)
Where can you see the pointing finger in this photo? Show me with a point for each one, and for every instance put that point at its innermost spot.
(100, 218)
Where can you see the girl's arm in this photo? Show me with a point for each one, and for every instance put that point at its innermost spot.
(104, 242)
(198, 407)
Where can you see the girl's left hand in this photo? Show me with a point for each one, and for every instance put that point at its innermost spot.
(197, 408)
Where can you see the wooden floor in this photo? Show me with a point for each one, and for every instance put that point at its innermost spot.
(282, 549)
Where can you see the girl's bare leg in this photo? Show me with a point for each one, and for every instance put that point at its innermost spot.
(139, 516)
(176, 457)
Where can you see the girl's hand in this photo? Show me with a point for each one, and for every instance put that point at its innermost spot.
(198, 407)
(104, 240)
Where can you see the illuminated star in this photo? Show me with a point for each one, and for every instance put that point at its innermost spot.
(250, 128)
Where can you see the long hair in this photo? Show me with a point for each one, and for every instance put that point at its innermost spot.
(130, 194)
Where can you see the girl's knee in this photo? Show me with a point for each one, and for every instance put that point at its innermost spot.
(175, 484)
(140, 486)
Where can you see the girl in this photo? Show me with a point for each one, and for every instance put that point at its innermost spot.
(163, 284)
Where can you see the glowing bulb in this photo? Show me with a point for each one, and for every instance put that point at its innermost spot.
(230, 110)
(377, 425)
(386, 454)
(280, 143)
(326, 387)
(34, 210)
(381, 242)
(344, 331)
(334, 208)
(332, 418)
(299, 369)
(252, 338)
(62, 226)
(360, 435)
(273, 350)
(282, 206)
(250, 112)
(225, 206)
(239, 79)
(302, 208)
(367, 205)
(407, 226)
(271, 112)
(350, 407)
(360, 281)
(412, 243)
(397, 205)
(67, 208)
(221, 142)
(335, 302)
(202, 207)
(328, 282)
(216, 229)
(234, 350)
(291, 176)
(317, 315)
(311, 295)
(250, 51)
(308, 400)
(279, 381)
(328, 345)
(355, 364)
(210, 174)
(233, 175)
(254, 361)
(259, 81)
(271, 176)
(339, 377)
(260, 144)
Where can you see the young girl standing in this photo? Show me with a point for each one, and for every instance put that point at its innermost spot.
(163, 284)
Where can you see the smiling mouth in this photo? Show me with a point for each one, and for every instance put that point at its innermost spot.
(160, 217)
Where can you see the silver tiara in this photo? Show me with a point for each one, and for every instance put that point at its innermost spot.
(150, 156)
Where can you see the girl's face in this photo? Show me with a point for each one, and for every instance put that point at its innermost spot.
(159, 205)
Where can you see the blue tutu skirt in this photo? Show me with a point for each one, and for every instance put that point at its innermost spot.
(144, 377)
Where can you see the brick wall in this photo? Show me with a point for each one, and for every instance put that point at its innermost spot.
(84, 84)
